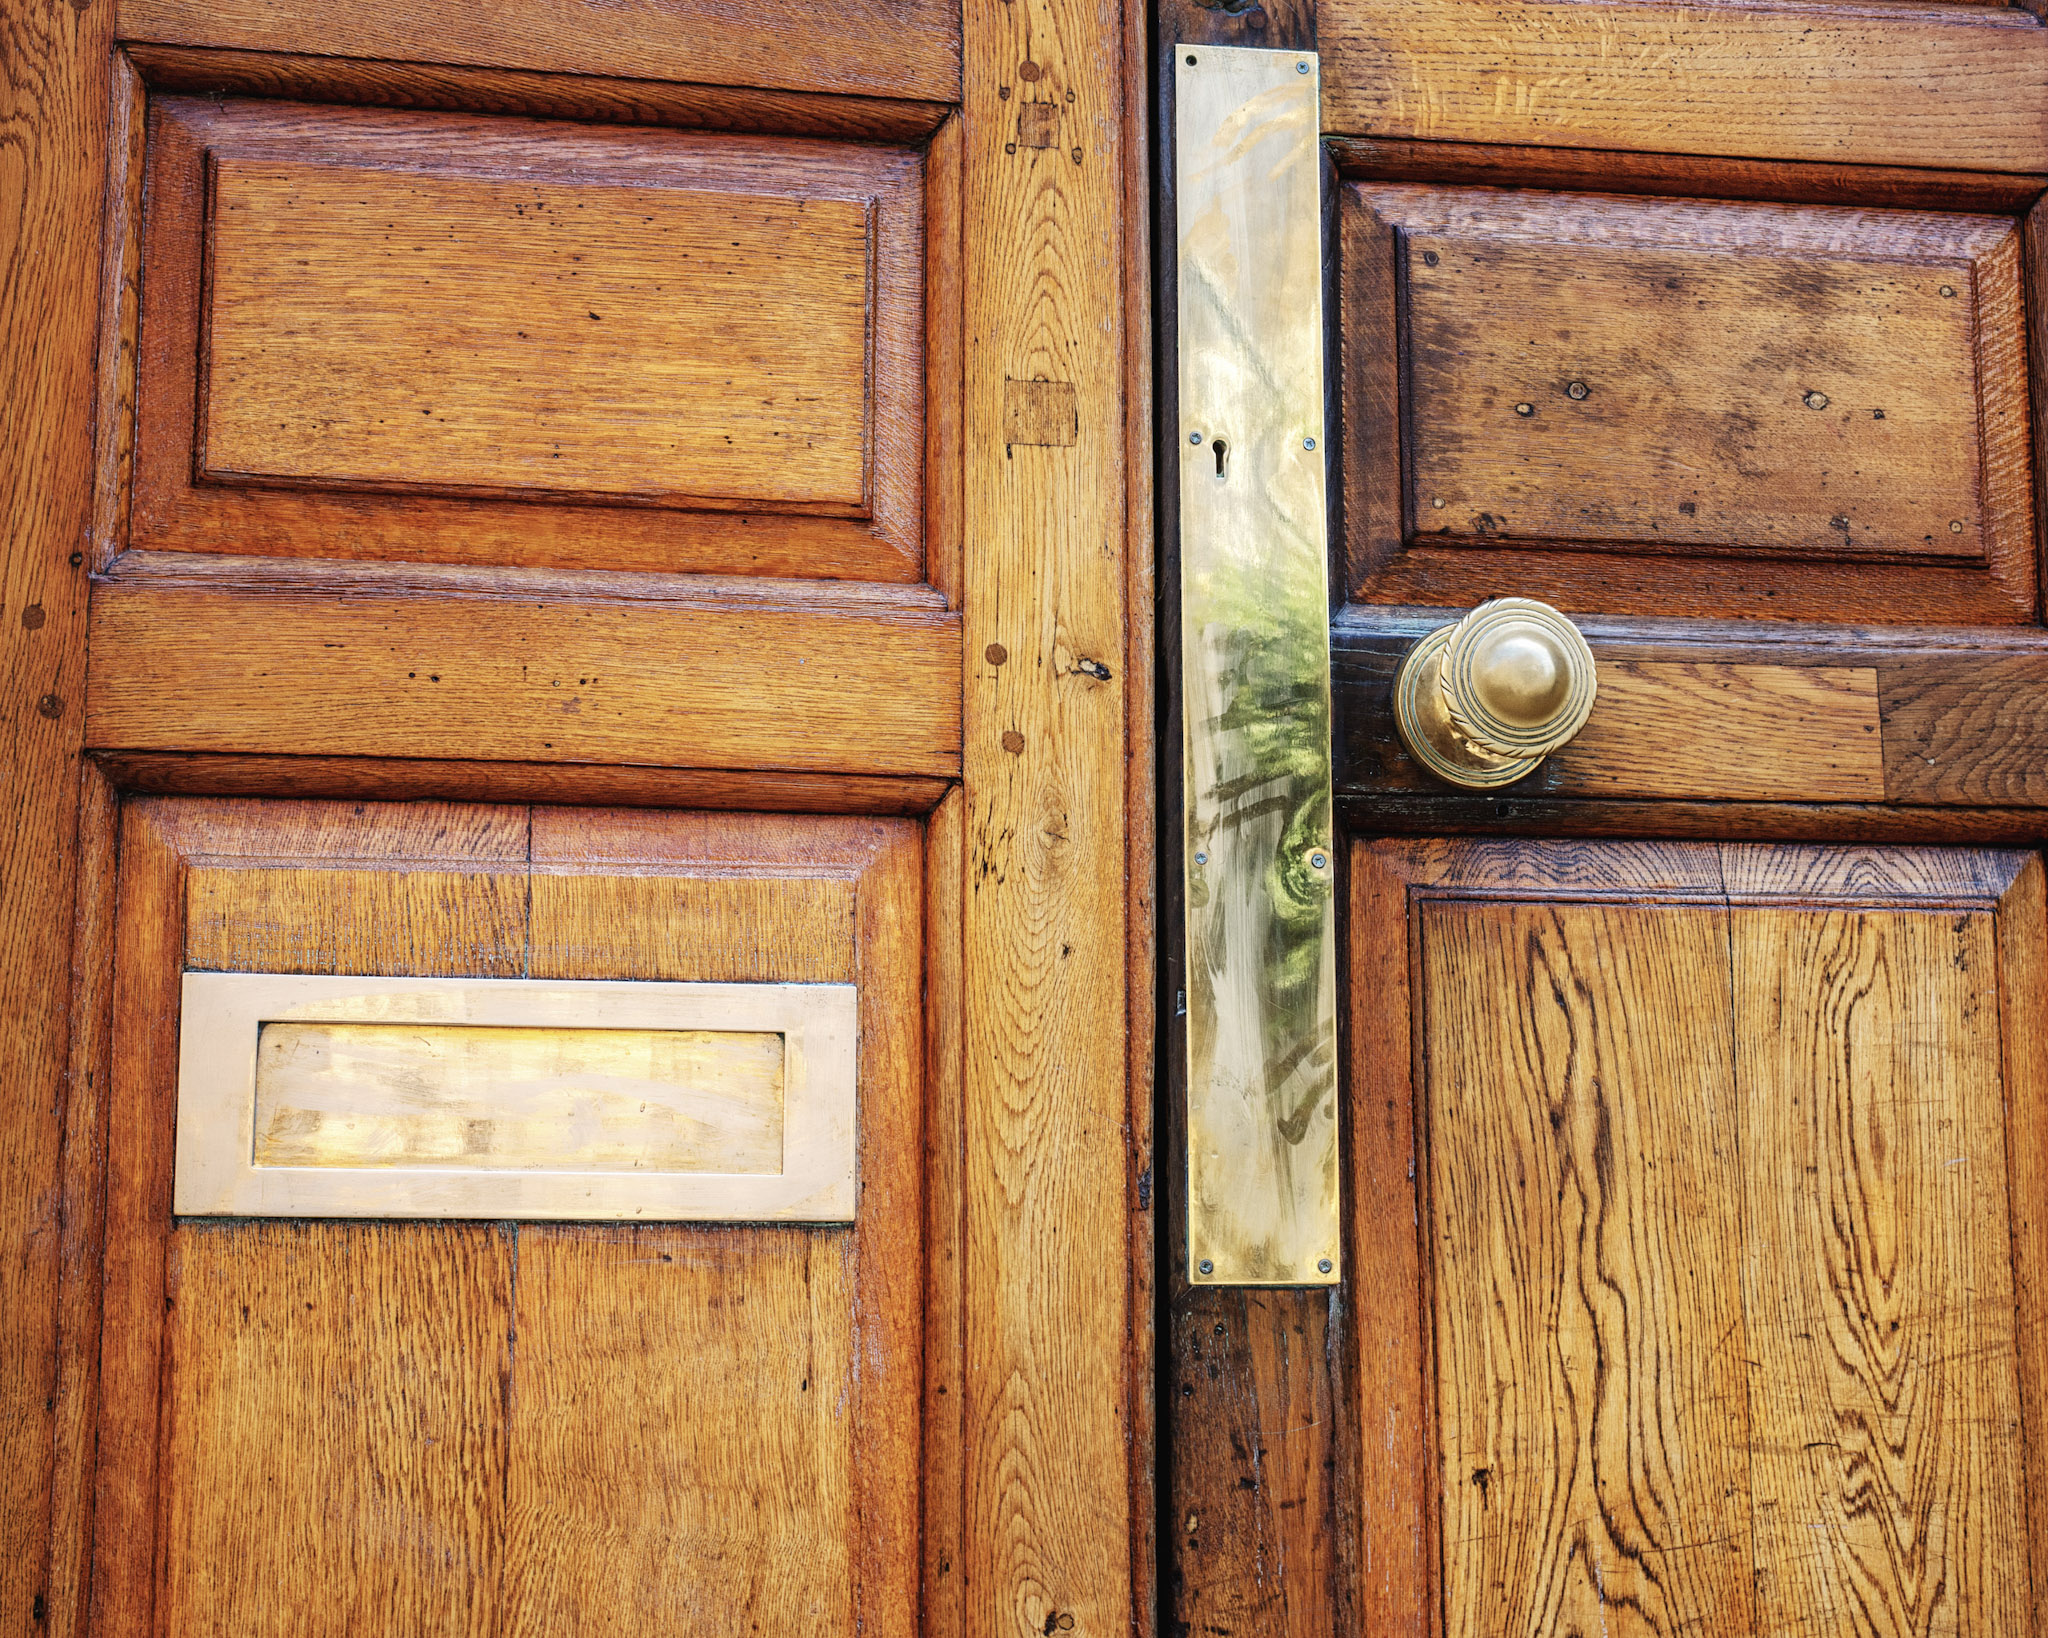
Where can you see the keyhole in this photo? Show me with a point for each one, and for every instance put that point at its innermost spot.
(1222, 449)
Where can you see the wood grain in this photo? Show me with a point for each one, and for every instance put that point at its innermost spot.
(1958, 714)
(1971, 728)
(506, 1478)
(1046, 1031)
(75, 1414)
(1827, 1040)
(1895, 85)
(1588, 1356)
(1667, 346)
(334, 1426)
(159, 1486)
(1606, 170)
(469, 780)
(306, 77)
(469, 335)
(681, 1454)
(906, 50)
(54, 83)
(2022, 932)
(1254, 1481)
(1391, 1491)
(1888, 1469)
(316, 382)
(787, 1499)
(1673, 383)
(1730, 732)
(806, 685)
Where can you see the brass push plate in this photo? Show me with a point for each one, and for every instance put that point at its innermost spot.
(1255, 672)
(513, 1098)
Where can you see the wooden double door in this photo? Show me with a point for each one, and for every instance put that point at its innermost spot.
(568, 494)
(519, 516)
(1691, 1087)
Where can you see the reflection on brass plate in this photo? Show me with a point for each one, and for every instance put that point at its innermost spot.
(508, 1098)
(1255, 672)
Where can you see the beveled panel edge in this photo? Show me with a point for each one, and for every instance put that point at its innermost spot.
(532, 93)
(1453, 163)
(910, 49)
(1262, 1103)
(222, 1014)
(177, 511)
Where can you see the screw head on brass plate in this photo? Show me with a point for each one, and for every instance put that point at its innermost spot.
(1483, 702)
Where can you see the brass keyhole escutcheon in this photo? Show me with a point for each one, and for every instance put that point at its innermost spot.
(1481, 703)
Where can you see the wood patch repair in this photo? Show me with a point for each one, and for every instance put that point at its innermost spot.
(1044, 413)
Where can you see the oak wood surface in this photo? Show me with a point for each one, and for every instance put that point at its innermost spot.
(344, 350)
(308, 77)
(1840, 1138)
(1048, 1482)
(1538, 383)
(1593, 1447)
(944, 1517)
(1877, 1276)
(2022, 958)
(316, 382)
(54, 87)
(907, 49)
(491, 1392)
(468, 780)
(334, 1433)
(75, 1411)
(1905, 84)
(1689, 176)
(811, 683)
(1959, 714)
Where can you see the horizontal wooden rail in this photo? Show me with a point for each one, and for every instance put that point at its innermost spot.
(665, 672)
(1741, 712)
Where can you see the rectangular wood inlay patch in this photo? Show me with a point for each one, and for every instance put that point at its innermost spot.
(1757, 733)
(518, 1099)
(452, 332)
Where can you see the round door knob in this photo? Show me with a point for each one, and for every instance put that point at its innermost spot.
(1482, 702)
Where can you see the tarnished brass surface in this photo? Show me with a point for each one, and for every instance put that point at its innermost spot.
(596, 1100)
(1481, 703)
(1255, 673)
(311, 1096)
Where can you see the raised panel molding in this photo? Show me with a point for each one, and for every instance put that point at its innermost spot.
(453, 338)
(1685, 406)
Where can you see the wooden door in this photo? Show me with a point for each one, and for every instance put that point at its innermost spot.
(1693, 1089)
(545, 507)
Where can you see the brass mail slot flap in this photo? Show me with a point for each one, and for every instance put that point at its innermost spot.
(303, 1096)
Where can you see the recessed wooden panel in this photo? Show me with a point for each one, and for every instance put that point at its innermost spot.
(1830, 402)
(1581, 1112)
(679, 346)
(1722, 1308)
(440, 337)
(1894, 84)
(347, 1427)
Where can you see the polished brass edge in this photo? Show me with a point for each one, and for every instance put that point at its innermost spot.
(1259, 840)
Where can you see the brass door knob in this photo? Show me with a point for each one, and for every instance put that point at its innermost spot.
(1482, 702)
